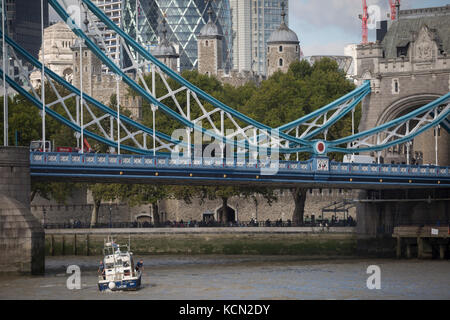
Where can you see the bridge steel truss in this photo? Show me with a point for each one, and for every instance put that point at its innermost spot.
(224, 124)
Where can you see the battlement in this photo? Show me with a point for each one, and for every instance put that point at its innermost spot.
(425, 12)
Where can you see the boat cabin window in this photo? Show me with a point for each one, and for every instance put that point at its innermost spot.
(109, 265)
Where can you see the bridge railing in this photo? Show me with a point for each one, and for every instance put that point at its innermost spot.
(114, 160)
(148, 161)
(390, 169)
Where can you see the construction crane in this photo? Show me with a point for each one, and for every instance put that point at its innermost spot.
(364, 17)
(394, 5)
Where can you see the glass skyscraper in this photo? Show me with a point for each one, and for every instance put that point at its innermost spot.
(253, 22)
(24, 23)
(184, 18)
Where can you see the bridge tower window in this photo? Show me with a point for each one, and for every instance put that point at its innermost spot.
(395, 86)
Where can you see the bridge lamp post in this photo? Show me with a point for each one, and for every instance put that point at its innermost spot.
(43, 76)
(118, 79)
(81, 86)
(408, 147)
(5, 88)
(436, 133)
(154, 108)
(81, 95)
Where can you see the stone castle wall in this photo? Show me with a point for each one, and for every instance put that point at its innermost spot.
(80, 207)
(288, 54)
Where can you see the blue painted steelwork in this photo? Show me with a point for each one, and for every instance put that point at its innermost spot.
(442, 117)
(88, 99)
(191, 171)
(304, 144)
(152, 100)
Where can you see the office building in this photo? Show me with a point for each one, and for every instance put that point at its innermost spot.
(142, 21)
(253, 22)
(24, 23)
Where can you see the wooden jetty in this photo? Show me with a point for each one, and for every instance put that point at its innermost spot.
(424, 241)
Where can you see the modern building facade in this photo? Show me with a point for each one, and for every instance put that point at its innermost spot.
(253, 22)
(24, 23)
(142, 21)
(113, 9)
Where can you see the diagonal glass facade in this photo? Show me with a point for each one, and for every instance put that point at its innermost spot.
(185, 18)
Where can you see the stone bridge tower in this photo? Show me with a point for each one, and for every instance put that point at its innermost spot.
(408, 68)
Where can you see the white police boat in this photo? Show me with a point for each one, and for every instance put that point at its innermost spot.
(119, 272)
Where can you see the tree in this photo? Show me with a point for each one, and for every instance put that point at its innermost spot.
(140, 194)
(226, 192)
(285, 97)
(102, 192)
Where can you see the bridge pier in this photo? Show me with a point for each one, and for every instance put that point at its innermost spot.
(408, 251)
(21, 235)
(380, 211)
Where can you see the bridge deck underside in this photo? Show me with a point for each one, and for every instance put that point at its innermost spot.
(254, 178)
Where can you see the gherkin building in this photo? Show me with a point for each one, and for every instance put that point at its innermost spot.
(185, 18)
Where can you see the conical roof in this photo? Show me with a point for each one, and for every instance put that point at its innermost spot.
(283, 34)
(211, 29)
(164, 48)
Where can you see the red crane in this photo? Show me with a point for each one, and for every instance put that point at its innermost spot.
(394, 5)
(364, 17)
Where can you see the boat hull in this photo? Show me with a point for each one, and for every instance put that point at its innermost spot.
(120, 285)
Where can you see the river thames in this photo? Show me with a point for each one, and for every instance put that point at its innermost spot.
(242, 277)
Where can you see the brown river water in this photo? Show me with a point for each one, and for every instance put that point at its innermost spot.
(242, 277)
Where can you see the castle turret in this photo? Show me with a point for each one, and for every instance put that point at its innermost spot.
(165, 51)
(91, 64)
(283, 48)
(210, 47)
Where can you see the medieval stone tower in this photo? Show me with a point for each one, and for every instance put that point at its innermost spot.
(91, 65)
(97, 84)
(210, 48)
(283, 48)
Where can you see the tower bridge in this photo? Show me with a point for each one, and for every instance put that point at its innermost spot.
(403, 86)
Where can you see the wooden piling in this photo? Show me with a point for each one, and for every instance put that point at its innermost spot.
(419, 248)
(87, 244)
(408, 251)
(399, 248)
(75, 244)
(52, 245)
(442, 251)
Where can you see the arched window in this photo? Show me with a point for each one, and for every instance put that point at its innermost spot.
(280, 49)
(280, 63)
(206, 43)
